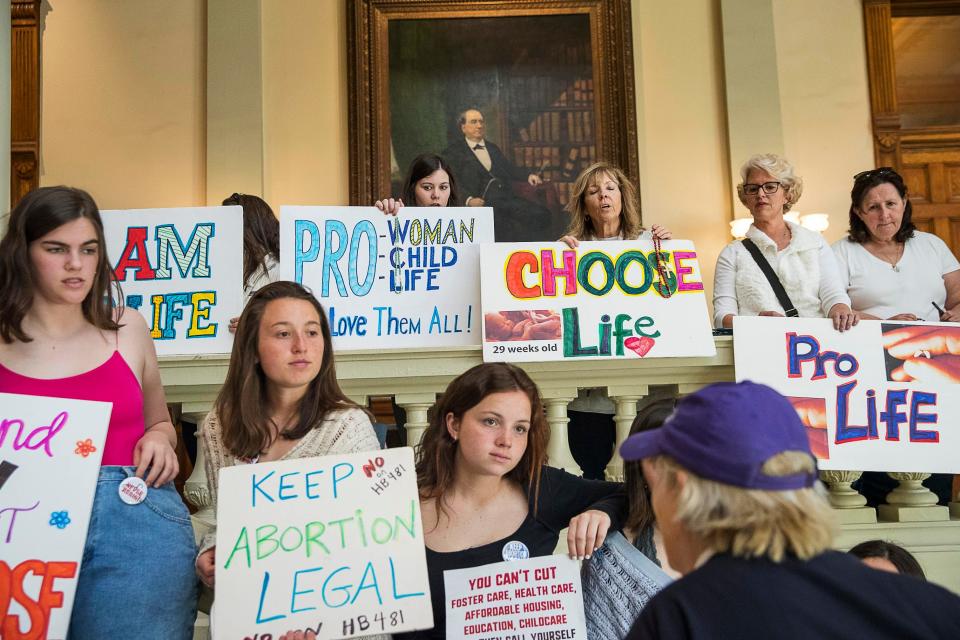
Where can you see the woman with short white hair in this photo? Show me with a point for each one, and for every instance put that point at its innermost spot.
(779, 268)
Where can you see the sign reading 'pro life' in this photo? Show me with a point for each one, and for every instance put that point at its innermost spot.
(600, 300)
(182, 269)
(882, 396)
(407, 281)
(331, 544)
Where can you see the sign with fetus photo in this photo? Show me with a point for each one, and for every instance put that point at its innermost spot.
(602, 300)
(332, 545)
(883, 396)
(410, 280)
(182, 270)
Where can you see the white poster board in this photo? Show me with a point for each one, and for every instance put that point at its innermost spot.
(182, 269)
(883, 396)
(50, 451)
(331, 544)
(519, 599)
(603, 300)
(388, 282)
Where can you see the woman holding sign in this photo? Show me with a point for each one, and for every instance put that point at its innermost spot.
(486, 494)
(280, 399)
(603, 207)
(61, 336)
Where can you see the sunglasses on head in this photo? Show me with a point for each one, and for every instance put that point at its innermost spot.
(876, 173)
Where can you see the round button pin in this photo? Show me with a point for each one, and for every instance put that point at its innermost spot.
(515, 550)
(133, 490)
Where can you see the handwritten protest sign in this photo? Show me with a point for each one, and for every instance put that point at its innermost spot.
(386, 282)
(883, 396)
(331, 544)
(50, 451)
(601, 300)
(531, 599)
(182, 269)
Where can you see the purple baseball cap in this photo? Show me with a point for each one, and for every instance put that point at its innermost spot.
(725, 432)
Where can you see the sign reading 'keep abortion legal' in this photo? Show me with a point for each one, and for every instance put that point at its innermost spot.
(412, 280)
(331, 544)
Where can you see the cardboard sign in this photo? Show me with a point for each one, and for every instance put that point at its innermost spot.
(883, 396)
(601, 300)
(331, 544)
(50, 451)
(387, 282)
(535, 598)
(182, 269)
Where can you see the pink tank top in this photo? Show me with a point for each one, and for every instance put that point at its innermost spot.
(113, 382)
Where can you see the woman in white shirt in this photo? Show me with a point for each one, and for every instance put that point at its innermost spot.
(891, 270)
(801, 259)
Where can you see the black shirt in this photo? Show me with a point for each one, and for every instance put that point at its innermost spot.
(561, 497)
(833, 595)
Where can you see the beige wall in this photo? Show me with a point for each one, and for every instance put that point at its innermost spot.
(123, 101)
(824, 101)
(305, 102)
(127, 120)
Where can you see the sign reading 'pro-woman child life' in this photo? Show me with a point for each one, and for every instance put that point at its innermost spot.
(539, 598)
(331, 544)
(407, 281)
(601, 300)
(883, 396)
(182, 269)
(50, 451)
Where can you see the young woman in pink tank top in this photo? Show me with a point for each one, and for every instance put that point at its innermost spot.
(61, 336)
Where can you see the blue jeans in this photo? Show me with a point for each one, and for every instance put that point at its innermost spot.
(137, 578)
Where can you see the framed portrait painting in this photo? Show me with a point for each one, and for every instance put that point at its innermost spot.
(517, 96)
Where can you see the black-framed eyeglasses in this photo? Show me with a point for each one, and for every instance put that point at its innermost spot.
(769, 188)
(875, 173)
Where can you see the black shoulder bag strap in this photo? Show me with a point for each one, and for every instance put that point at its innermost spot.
(789, 310)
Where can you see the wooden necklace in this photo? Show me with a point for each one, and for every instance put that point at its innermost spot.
(661, 269)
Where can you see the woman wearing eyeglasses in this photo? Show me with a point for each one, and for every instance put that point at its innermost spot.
(891, 270)
(800, 261)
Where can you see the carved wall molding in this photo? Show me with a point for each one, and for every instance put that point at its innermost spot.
(24, 98)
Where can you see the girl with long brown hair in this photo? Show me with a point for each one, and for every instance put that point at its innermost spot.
(486, 494)
(280, 399)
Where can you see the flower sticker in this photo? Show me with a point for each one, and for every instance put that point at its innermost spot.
(59, 519)
(84, 447)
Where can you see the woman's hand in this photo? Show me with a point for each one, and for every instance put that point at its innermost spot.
(661, 233)
(570, 241)
(475, 201)
(771, 314)
(389, 206)
(586, 533)
(153, 451)
(843, 317)
(901, 316)
(207, 566)
(233, 324)
(950, 315)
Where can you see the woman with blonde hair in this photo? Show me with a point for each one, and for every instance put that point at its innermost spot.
(604, 206)
(779, 268)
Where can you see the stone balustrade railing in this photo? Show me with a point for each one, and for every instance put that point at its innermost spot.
(415, 377)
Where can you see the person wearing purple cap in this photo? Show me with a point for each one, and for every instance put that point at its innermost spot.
(734, 489)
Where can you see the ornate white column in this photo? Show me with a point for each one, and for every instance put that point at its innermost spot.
(911, 501)
(195, 489)
(558, 451)
(416, 406)
(850, 505)
(626, 402)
